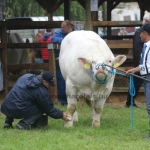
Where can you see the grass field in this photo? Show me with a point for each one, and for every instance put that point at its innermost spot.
(115, 132)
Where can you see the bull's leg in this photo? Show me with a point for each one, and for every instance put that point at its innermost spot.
(96, 112)
(72, 104)
(74, 116)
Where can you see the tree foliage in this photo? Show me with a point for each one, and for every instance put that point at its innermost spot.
(77, 11)
(23, 8)
(26, 8)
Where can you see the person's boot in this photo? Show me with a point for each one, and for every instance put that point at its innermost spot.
(148, 136)
(134, 105)
(8, 122)
(23, 126)
(40, 122)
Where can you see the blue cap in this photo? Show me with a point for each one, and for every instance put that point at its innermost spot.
(48, 76)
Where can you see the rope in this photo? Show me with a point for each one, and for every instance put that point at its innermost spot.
(132, 93)
(107, 77)
(106, 80)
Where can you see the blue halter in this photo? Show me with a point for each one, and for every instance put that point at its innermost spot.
(106, 79)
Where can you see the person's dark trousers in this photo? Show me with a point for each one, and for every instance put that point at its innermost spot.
(61, 85)
(137, 84)
(45, 61)
(40, 122)
(8, 122)
(37, 120)
(30, 120)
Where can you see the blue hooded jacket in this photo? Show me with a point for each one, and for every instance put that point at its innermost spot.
(27, 97)
(59, 36)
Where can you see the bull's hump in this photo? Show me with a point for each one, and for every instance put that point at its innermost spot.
(84, 34)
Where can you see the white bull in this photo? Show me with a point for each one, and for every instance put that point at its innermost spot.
(81, 59)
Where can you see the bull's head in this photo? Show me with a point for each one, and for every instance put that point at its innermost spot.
(101, 73)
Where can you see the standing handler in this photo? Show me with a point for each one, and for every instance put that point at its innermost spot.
(137, 49)
(144, 67)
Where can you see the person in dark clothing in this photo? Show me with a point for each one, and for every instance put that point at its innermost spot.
(137, 49)
(59, 35)
(29, 99)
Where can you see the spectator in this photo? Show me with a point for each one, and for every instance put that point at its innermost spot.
(37, 51)
(30, 99)
(66, 28)
(137, 48)
(123, 32)
(46, 38)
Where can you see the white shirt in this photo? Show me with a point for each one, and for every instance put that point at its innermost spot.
(147, 51)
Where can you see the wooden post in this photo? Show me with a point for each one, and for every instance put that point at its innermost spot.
(67, 9)
(94, 17)
(50, 17)
(4, 58)
(88, 15)
(109, 8)
(52, 68)
(104, 5)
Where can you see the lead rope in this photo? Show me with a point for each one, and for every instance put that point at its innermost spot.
(131, 88)
(132, 93)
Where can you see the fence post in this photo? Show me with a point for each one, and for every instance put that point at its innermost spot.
(52, 68)
(4, 58)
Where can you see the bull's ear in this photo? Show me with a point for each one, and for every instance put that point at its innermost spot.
(119, 60)
(84, 62)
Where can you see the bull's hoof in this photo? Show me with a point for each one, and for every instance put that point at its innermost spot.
(68, 124)
(96, 124)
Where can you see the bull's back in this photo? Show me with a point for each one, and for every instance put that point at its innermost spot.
(82, 40)
(80, 44)
(77, 37)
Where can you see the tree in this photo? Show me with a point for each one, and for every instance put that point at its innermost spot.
(23, 8)
(26, 8)
(77, 12)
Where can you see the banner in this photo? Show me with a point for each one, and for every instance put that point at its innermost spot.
(94, 5)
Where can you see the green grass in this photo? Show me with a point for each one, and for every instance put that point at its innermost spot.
(115, 133)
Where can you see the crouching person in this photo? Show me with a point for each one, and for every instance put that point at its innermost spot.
(29, 99)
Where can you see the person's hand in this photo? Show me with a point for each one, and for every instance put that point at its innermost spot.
(134, 70)
(129, 71)
(66, 117)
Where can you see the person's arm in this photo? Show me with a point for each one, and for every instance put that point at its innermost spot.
(134, 70)
(46, 105)
(57, 37)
